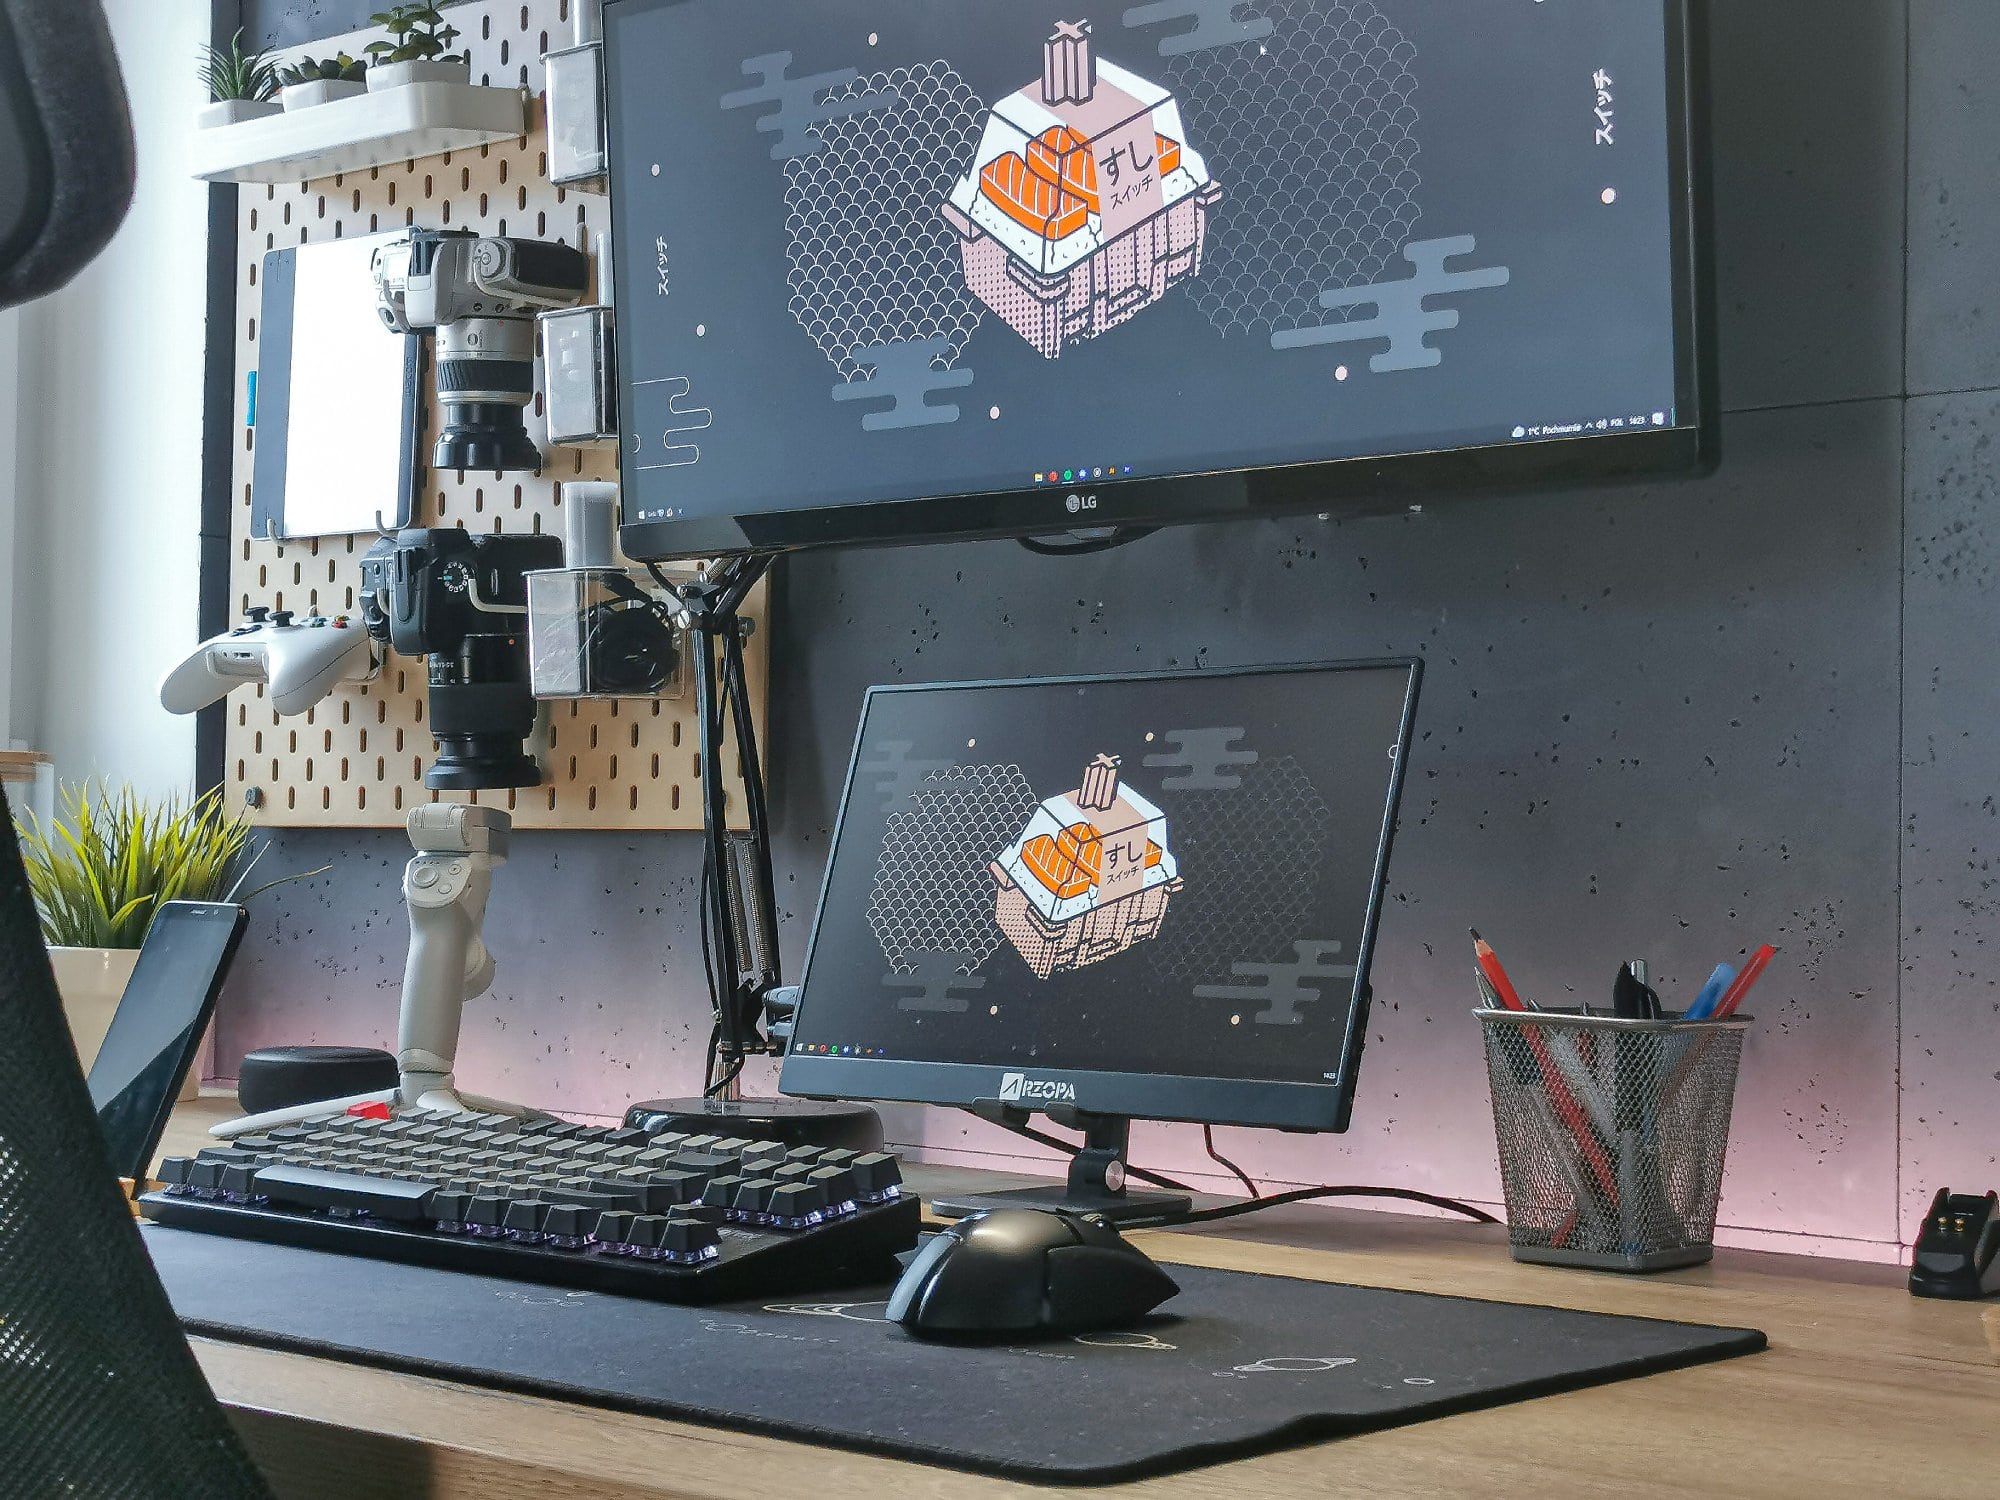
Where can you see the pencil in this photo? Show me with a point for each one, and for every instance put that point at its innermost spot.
(1572, 1113)
(1489, 964)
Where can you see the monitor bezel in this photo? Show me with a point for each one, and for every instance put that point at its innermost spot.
(1347, 485)
(1318, 1107)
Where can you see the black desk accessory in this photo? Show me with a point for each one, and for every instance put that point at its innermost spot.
(156, 1031)
(1237, 1364)
(1022, 1271)
(1957, 1253)
(279, 1077)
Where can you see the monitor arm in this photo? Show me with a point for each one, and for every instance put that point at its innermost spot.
(740, 896)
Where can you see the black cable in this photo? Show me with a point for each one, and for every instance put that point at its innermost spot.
(1118, 536)
(629, 642)
(1232, 1210)
(1043, 1139)
(1208, 1144)
(1301, 1195)
(721, 1085)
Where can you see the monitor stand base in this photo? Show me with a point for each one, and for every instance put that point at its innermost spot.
(1097, 1176)
(826, 1123)
(1116, 1207)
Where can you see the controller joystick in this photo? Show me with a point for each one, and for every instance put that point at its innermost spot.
(302, 664)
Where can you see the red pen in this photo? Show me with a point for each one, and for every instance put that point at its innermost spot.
(1734, 995)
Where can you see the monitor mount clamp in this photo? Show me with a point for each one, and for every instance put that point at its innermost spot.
(1097, 1172)
(445, 886)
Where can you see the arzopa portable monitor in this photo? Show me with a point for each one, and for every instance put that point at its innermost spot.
(900, 269)
(1149, 896)
(158, 1025)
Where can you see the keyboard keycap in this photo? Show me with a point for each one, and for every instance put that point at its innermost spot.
(524, 1218)
(875, 1173)
(793, 1202)
(720, 1192)
(310, 1187)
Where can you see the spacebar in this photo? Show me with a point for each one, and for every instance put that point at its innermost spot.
(310, 1187)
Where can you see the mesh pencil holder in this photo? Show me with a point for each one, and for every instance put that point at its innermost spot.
(1612, 1134)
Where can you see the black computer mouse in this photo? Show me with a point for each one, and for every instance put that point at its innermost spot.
(1022, 1270)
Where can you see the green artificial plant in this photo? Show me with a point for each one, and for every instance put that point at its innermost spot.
(341, 69)
(232, 73)
(420, 34)
(107, 863)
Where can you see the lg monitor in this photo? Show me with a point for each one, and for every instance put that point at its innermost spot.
(1109, 898)
(902, 269)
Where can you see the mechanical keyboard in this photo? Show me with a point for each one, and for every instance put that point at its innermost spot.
(679, 1218)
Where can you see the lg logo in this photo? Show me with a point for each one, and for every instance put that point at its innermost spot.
(1078, 503)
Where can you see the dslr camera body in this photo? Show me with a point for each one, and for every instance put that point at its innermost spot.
(462, 601)
(479, 295)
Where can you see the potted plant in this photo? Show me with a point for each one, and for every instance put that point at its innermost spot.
(312, 80)
(418, 51)
(241, 86)
(101, 870)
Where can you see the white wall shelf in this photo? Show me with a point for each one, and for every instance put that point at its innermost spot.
(367, 130)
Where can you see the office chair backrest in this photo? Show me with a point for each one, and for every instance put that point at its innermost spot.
(66, 157)
(99, 1394)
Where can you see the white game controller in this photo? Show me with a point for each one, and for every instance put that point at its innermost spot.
(302, 662)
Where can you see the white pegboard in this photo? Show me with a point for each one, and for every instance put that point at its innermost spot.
(357, 759)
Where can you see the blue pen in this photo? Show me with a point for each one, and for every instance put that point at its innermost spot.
(1711, 993)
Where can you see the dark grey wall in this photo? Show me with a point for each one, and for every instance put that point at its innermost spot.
(1672, 721)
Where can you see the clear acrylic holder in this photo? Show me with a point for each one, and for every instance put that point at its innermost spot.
(602, 633)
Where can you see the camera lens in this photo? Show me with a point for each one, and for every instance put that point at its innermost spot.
(483, 435)
(485, 379)
(480, 711)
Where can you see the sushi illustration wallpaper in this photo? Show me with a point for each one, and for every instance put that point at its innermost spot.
(1134, 862)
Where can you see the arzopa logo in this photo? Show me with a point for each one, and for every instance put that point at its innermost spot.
(1018, 1087)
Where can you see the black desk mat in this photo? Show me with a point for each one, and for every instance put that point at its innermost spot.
(1243, 1364)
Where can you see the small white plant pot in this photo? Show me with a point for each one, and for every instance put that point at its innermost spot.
(394, 75)
(234, 112)
(298, 96)
(92, 982)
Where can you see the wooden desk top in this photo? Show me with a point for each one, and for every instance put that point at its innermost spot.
(1865, 1391)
